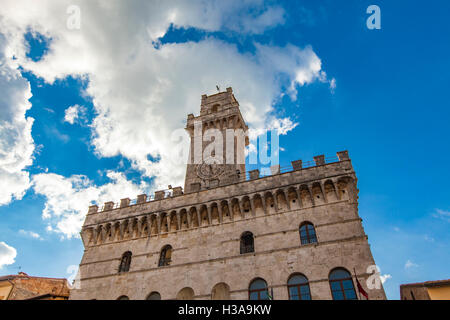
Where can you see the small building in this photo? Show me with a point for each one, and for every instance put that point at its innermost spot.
(428, 290)
(21, 286)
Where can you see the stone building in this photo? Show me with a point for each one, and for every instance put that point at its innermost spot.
(24, 287)
(232, 234)
(428, 290)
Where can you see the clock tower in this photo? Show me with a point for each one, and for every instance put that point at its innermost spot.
(218, 141)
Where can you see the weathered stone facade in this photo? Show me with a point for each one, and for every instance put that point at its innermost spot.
(204, 228)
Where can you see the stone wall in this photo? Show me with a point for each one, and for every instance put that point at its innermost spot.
(204, 230)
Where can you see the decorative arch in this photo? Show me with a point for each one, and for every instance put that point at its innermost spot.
(134, 228)
(305, 195)
(246, 206)
(270, 203)
(204, 219)
(186, 293)
(215, 217)
(98, 234)
(282, 203)
(153, 296)
(258, 205)
(144, 227)
(173, 221)
(317, 193)
(344, 187)
(220, 291)
(194, 217)
(125, 229)
(164, 223)
(154, 224)
(184, 219)
(236, 210)
(330, 191)
(293, 198)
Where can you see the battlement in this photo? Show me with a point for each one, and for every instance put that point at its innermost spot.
(299, 186)
(251, 175)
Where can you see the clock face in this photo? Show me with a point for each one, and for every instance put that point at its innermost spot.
(207, 171)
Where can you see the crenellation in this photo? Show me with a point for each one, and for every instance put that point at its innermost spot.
(159, 195)
(108, 206)
(301, 219)
(319, 160)
(124, 202)
(93, 209)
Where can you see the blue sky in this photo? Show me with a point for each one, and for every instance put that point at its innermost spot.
(389, 109)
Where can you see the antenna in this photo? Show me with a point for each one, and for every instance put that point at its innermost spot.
(218, 88)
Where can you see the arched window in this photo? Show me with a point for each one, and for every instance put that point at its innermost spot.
(247, 243)
(186, 294)
(341, 284)
(165, 257)
(298, 288)
(154, 296)
(220, 291)
(125, 262)
(307, 233)
(258, 290)
(123, 298)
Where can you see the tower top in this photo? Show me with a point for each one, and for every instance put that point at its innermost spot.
(218, 102)
(217, 153)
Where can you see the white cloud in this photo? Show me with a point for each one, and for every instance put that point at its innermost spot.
(385, 277)
(333, 84)
(68, 199)
(16, 143)
(30, 234)
(75, 114)
(140, 93)
(282, 126)
(442, 214)
(409, 264)
(7, 254)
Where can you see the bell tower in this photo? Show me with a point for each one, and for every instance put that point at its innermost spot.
(218, 141)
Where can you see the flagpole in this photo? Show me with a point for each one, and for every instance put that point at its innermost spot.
(359, 293)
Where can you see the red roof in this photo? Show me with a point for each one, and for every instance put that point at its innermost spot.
(24, 275)
(427, 283)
